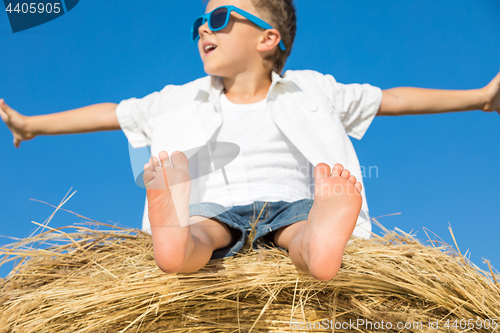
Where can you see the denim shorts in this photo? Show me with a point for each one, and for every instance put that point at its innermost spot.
(267, 217)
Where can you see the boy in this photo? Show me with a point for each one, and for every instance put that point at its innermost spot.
(308, 117)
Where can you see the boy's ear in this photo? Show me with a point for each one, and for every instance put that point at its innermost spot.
(269, 40)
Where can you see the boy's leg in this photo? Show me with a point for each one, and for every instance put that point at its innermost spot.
(178, 245)
(208, 235)
(316, 245)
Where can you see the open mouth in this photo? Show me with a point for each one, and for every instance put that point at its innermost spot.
(209, 48)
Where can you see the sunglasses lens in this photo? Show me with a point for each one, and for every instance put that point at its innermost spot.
(218, 18)
(197, 24)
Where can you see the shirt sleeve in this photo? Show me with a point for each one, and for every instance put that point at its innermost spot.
(356, 104)
(135, 114)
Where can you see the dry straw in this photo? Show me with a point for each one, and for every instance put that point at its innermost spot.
(82, 279)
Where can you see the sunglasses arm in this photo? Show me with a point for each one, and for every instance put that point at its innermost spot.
(261, 23)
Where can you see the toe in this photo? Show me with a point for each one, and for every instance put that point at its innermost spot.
(346, 174)
(163, 155)
(154, 161)
(358, 186)
(322, 170)
(337, 169)
(352, 179)
(179, 160)
(147, 176)
(148, 166)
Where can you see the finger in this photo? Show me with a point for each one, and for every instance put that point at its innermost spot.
(4, 107)
(17, 143)
(3, 114)
(496, 79)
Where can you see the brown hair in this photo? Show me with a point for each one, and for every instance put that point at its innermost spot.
(281, 15)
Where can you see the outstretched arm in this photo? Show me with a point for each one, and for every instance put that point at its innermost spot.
(97, 117)
(406, 100)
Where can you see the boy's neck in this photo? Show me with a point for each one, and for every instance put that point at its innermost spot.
(247, 88)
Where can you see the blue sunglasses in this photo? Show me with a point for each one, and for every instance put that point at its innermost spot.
(219, 18)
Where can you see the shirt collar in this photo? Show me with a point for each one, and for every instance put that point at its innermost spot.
(216, 86)
(276, 78)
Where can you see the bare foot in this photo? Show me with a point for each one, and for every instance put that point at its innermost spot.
(168, 188)
(331, 221)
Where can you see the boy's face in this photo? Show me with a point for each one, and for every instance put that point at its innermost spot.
(236, 44)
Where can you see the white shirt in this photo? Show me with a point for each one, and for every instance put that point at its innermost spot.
(314, 111)
(275, 170)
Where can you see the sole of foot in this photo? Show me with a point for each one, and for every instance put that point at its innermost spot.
(331, 221)
(168, 189)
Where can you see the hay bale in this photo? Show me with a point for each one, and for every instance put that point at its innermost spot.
(91, 280)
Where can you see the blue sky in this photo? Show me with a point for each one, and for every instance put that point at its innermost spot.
(435, 170)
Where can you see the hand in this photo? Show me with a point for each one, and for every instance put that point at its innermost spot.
(492, 91)
(16, 123)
